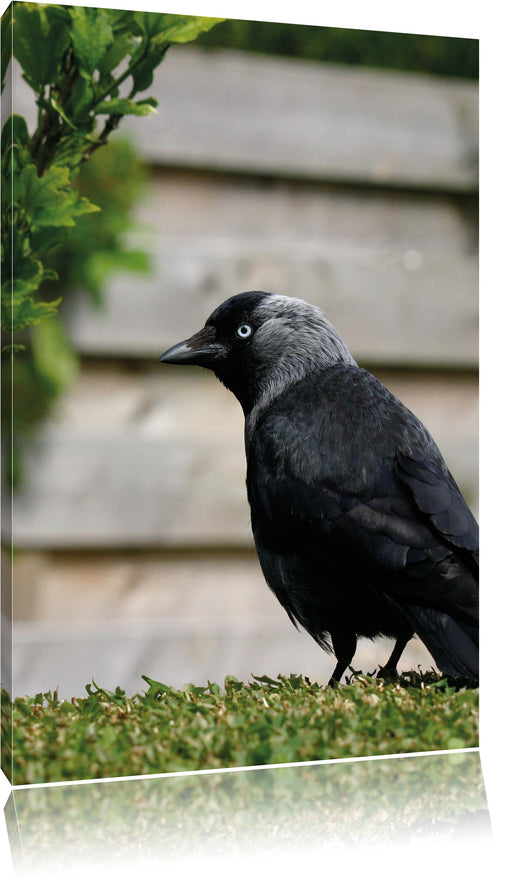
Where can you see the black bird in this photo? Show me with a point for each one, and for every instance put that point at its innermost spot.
(359, 526)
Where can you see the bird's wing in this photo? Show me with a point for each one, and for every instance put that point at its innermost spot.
(408, 517)
(383, 524)
(436, 495)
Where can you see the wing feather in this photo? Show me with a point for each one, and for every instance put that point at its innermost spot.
(436, 494)
(382, 500)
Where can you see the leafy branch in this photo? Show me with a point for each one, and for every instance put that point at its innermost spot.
(76, 59)
(66, 205)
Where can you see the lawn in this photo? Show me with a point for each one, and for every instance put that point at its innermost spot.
(263, 722)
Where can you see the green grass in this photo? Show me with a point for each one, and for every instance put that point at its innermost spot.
(265, 721)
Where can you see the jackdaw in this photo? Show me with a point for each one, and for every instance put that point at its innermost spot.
(360, 529)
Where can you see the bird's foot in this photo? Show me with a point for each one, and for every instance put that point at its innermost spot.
(388, 672)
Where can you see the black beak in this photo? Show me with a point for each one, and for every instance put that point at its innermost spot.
(200, 349)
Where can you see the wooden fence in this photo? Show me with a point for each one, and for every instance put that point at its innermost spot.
(353, 189)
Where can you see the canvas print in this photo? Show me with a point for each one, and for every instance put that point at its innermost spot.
(239, 393)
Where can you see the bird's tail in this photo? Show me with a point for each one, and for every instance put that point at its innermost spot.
(452, 642)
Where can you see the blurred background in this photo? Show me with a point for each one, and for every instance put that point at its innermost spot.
(338, 166)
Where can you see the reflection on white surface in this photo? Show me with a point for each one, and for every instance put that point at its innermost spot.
(194, 823)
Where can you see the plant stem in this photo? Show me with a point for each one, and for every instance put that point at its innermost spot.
(42, 125)
(111, 124)
(129, 70)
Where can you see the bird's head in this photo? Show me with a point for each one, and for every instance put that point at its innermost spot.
(259, 343)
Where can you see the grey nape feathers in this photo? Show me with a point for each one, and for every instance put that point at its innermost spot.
(359, 526)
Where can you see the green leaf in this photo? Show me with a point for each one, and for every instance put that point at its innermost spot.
(82, 94)
(56, 106)
(41, 37)
(92, 37)
(49, 273)
(52, 353)
(151, 23)
(43, 239)
(123, 45)
(18, 311)
(124, 106)
(50, 200)
(70, 151)
(13, 348)
(185, 28)
(173, 28)
(159, 32)
(154, 684)
(6, 41)
(121, 21)
(28, 275)
(67, 707)
(142, 74)
(14, 131)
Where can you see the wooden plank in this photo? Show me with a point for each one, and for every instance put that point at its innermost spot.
(126, 586)
(161, 464)
(126, 491)
(286, 117)
(397, 275)
(236, 111)
(179, 617)
(50, 656)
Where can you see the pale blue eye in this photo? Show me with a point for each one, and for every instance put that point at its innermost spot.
(244, 331)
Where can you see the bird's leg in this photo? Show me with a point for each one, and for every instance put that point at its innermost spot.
(389, 669)
(344, 646)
